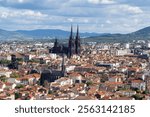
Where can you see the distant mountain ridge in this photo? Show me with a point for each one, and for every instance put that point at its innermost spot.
(145, 32)
(61, 34)
(40, 34)
(142, 34)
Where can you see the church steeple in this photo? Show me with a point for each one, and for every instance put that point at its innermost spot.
(71, 33)
(77, 36)
(71, 45)
(77, 42)
(63, 65)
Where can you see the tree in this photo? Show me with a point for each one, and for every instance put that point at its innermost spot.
(3, 62)
(137, 97)
(15, 75)
(17, 95)
(20, 59)
(34, 61)
(3, 78)
(50, 92)
(19, 86)
(102, 80)
(146, 92)
(89, 83)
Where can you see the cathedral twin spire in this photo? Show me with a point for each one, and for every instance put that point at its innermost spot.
(74, 44)
(71, 33)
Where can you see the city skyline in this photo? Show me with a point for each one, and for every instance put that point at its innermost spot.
(102, 16)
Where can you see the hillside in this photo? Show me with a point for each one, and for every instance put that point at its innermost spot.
(142, 34)
(61, 34)
(39, 34)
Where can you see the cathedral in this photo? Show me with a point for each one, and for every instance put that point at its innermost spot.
(74, 45)
(50, 75)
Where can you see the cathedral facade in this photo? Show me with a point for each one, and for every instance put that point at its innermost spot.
(73, 48)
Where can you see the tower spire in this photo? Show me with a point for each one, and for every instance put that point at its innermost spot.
(77, 31)
(71, 45)
(71, 33)
(63, 64)
(77, 41)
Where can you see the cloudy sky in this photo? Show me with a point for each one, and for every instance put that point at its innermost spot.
(110, 16)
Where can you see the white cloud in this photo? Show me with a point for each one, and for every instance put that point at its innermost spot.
(102, 25)
(131, 9)
(86, 21)
(108, 22)
(123, 9)
(32, 13)
(17, 1)
(126, 25)
(33, 4)
(70, 19)
(20, 1)
(14, 13)
(101, 1)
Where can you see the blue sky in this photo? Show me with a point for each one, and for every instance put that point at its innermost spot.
(103, 16)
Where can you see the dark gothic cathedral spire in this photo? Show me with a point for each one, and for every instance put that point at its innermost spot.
(63, 64)
(77, 42)
(71, 44)
(71, 33)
